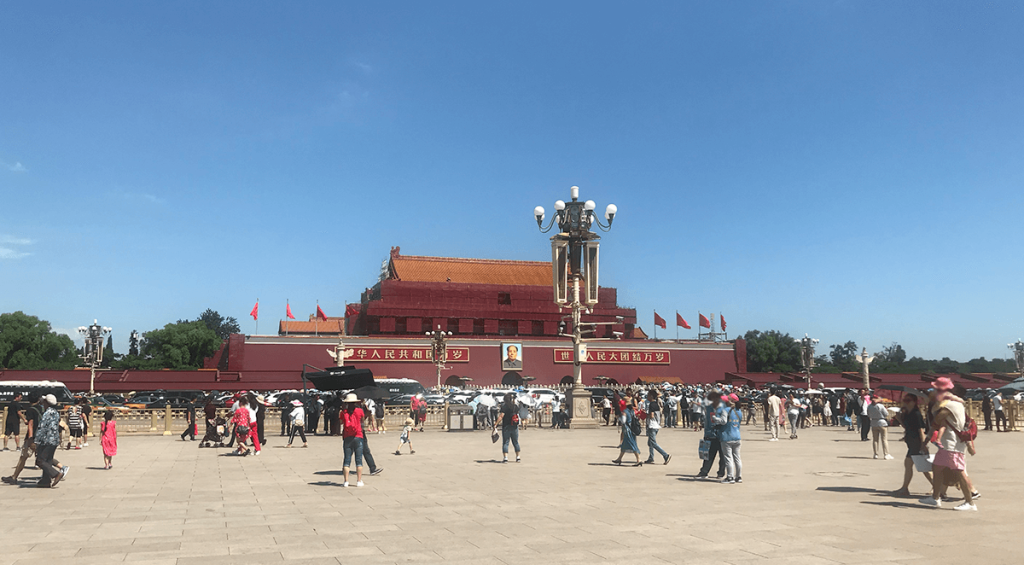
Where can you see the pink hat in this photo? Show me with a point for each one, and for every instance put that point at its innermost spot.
(734, 398)
(942, 383)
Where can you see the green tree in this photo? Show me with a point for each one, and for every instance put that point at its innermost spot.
(133, 344)
(182, 345)
(26, 342)
(842, 356)
(220, 325)
(108, 352)
(771, 351)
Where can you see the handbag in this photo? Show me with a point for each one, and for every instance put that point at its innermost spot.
(704, 449)
(494, 436)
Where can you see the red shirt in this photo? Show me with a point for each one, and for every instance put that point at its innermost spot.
(353, 423)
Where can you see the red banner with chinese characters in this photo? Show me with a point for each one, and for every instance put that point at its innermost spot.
(406, 354)
(619, 356)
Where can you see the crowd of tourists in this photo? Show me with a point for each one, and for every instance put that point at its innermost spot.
(937, 430)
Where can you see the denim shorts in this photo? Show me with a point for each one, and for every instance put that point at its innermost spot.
(353, 445)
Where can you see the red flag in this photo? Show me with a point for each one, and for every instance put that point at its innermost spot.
(704, 322)
(659, 321)
(255, 311)
(721, 318)
(288, 311)
(320, 313)
(681, 322)
(351, 311)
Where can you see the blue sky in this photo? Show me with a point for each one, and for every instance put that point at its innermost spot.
(851, 170)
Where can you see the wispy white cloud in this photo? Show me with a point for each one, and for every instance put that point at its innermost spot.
(15, 167)
(152, 198)
(8, 253)
(13, 252)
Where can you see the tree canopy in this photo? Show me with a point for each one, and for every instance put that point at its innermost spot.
(772, 351)
(181, 345)
(220, 325)
(28, 343)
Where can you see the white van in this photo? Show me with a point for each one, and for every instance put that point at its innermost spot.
(8, 389)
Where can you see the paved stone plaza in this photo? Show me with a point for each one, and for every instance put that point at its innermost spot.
(819, 499)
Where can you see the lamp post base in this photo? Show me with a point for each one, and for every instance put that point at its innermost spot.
(579, 402)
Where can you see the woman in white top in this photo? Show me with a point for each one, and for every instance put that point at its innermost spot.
(298, 416)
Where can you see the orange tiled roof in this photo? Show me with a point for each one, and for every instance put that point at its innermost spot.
(331, 326)
(473, 271)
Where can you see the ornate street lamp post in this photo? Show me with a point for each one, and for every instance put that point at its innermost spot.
(1018, 355)
(574, 254)
(439, 350)
(93, 350)
(807, 356)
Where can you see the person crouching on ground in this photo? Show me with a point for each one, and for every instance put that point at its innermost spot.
(352, 433)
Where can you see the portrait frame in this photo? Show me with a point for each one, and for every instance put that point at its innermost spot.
(503, 356)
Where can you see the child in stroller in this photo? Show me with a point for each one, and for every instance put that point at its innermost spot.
(214, 433)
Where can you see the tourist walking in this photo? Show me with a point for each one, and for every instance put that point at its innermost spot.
(509, 418)
(863, 420)
(378, 416)
(606, 410)
(74, 417)
(32, 415)
(190, 421)
(630, 428)
(774, 406)
(997, 406)
(730, 439)
(653, 425)
(108, 438)
(15, 416)
(948, 418)
(242, 422)
(404, 439)
(352, 433)
(47, 439)
(713, 421)
(298, 423)
(879, 416)
(986, 411)
(793, 413)
(86, 420)
(912, 420)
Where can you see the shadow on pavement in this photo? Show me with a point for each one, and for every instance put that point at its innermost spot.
(853, 457)
(329, 473)
(488, 461)
(853, 489)
(326, 484)
(897, 504)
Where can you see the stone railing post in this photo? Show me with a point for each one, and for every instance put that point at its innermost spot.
(152, 425)
(167, 420)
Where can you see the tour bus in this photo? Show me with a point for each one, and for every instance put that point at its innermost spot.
(400, 387)
(9, 388)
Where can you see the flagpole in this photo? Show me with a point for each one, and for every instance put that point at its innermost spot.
(288, 307)
(316, 324)
(655, 326)
(257, 318)
(677, 325)
(700, 333)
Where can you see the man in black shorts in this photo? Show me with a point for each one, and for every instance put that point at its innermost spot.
(32, 414)
(15, 416)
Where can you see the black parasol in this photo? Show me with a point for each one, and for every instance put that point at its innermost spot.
(341, 378)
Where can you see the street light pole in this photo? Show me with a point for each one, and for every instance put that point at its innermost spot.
(1018, 355)
(574, 259)
(439, 350)
(93, 349)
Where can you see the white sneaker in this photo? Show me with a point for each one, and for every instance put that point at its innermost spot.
(967, 506)
(875, 457)
(929, 501)
(345, 484)
(889, 457)
(774, 439)
(359, 483)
